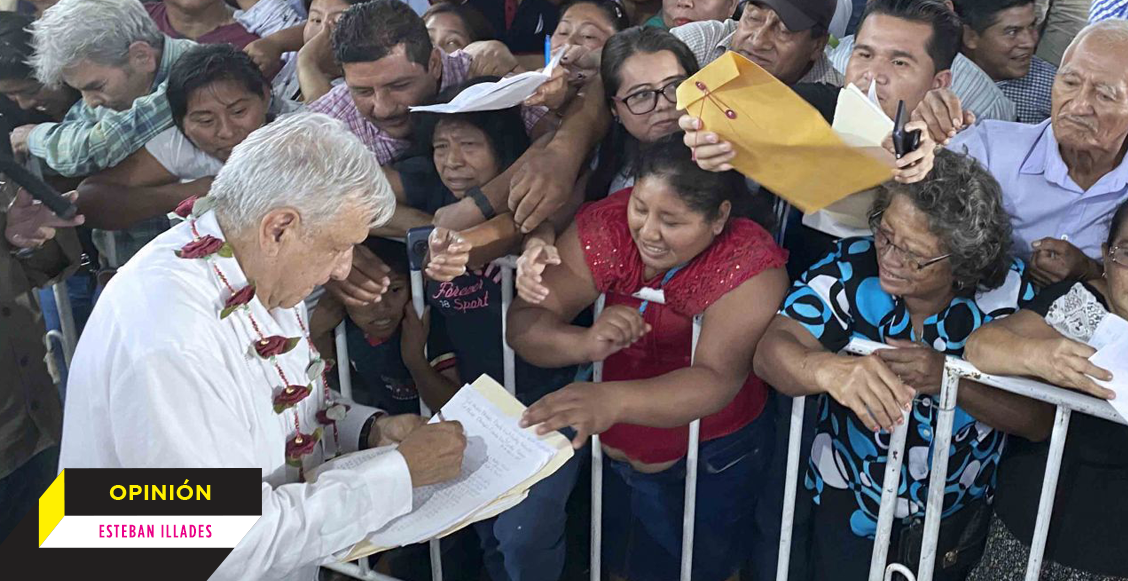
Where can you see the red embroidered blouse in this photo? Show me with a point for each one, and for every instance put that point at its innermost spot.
(741, 251)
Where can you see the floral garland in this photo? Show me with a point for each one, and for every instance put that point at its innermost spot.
(288, 395)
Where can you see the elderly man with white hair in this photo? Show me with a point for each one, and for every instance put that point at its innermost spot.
(1061, 178)
(113, 53)
(198, 353)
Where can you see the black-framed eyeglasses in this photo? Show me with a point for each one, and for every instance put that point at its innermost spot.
(646, 100)
(883, 238)
(1119, 255)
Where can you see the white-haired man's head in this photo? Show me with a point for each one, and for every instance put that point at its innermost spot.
(294, 198)
(1090, 94)
(109, 50)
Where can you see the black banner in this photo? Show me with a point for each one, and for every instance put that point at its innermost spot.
(163, 491)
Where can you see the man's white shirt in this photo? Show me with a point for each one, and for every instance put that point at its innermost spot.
(160, 381)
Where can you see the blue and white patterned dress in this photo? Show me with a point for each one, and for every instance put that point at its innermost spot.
(840, 297)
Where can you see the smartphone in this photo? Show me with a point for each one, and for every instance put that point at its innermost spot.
(417, 246)
(39, 189)
(904, 142)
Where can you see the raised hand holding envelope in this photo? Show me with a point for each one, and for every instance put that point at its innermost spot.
(779, 140)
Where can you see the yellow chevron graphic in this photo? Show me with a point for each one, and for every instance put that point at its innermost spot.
(52, 508)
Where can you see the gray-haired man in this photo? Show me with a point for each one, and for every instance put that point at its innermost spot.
(113, 53)
(181, 366)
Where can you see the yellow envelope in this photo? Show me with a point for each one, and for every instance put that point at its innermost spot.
(780, 140)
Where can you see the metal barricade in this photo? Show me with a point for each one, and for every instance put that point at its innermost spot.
(1066, 401)
(654, 296)
(507, 264)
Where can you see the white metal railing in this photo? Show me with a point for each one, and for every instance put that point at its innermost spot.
(508, 265)
(361, 569)
(691, 459)
(1066, 401)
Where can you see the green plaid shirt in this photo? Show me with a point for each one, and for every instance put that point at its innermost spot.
(89, 140)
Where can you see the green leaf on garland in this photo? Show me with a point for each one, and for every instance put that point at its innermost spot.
(227, 311)
(291, 342)
(226, 251)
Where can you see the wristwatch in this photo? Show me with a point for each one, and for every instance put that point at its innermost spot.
(483, 203)
(366, 430)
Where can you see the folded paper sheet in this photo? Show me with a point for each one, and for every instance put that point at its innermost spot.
(501, 463)
(1110, 339)
(503, 94)
(780, 141)
(860, 122)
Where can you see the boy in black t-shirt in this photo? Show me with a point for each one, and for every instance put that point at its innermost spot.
(386, 342)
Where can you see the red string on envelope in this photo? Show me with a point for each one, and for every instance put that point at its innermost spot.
(717, 102)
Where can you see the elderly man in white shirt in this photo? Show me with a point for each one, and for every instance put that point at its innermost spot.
(198, 354)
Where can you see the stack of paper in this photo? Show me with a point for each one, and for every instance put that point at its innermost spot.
(502, 461)
(506, 93)
(860, 122)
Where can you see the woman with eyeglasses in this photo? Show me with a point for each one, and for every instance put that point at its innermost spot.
(641, 69)
(1052, 339)
(938, 266)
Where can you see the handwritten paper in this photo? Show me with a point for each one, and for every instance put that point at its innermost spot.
(503, 94)
(350, 461)
(501, 462)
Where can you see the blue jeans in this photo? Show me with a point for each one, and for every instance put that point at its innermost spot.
(526, 542)
(20, 490)
(83, 292)
(642, 513)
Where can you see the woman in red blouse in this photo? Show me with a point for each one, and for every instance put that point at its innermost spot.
(675, 231)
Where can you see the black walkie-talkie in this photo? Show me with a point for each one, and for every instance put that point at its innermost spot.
(904, 142)
(39, 189)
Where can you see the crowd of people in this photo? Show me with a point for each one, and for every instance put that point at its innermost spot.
(245, 173)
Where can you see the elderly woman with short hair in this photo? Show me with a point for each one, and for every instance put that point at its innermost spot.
(937, 267)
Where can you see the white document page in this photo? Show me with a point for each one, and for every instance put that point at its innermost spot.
(499, 456)
(1111, 341)
(503, 94)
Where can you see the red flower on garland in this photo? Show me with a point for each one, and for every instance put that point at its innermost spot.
(275, 345)
(289, 396)
(332, 414)
(240, 298)
(184, 209)
(201, 247)
(301, 445)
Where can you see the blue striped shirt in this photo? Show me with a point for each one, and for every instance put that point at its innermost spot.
(1105, 9)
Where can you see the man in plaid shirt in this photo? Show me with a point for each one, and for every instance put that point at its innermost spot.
(391, 65)
(113, 53)
(1001, 36)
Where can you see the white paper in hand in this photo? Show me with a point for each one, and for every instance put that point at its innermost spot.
(503, 94)
(860, 122)
(1111, 341)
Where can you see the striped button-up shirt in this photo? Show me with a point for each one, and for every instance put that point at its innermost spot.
(92, 139)
(710, 39)
(338, 104)
(1105, 9)
(978, 93)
